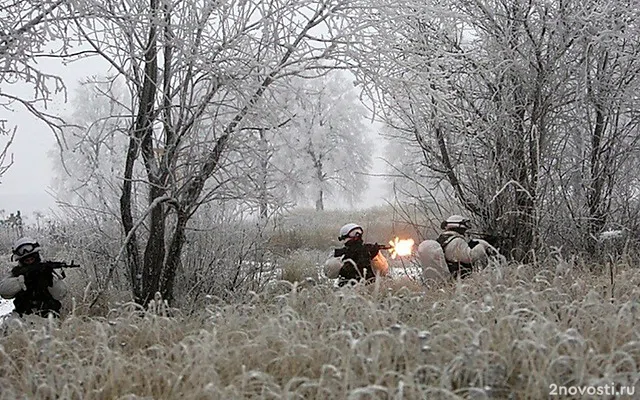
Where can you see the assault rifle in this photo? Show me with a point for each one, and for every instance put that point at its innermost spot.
(42, 266)
(495, 241)
(342, 251)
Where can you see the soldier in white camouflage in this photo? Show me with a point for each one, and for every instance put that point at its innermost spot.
(34, 288)
(460, 253)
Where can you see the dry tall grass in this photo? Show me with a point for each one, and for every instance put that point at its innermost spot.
(508, 332)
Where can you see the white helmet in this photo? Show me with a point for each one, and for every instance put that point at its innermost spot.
(350, 231)
(24, 247)
(456, 221)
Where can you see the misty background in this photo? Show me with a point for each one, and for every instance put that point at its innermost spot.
(26, 186)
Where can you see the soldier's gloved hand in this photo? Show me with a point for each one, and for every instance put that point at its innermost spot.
(473, 243)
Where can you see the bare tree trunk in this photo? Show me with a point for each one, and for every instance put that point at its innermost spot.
(173, 257)
(320, 176)
(595, 186)
(524, 222)
(142, 133)
(320, 201)
(154, 252)
(597, 214)
(263, 190)
(133, 256)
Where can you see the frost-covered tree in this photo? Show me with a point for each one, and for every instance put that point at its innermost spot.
(26, 28)
(197, 70)
(6, 159)
(306, 139)
(328, 143)
(332, 142)
(262, 160)
(505, 100)
(88, 171)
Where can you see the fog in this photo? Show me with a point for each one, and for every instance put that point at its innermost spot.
(26, 185)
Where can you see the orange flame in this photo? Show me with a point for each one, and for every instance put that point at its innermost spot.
(401, 247)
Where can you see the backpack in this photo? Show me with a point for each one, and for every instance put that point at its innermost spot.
(434, 264)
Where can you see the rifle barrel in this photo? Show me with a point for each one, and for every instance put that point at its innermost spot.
(59, 264)
(489, 235)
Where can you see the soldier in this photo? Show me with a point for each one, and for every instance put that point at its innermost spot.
(34, 288)
(356, 260)
(453, 249)
(459, 253)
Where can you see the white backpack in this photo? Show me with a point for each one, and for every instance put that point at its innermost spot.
(434, 265)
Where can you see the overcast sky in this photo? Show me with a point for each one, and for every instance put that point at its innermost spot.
(26, 185)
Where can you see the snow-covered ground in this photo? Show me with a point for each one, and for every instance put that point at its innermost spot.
(6, 306)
